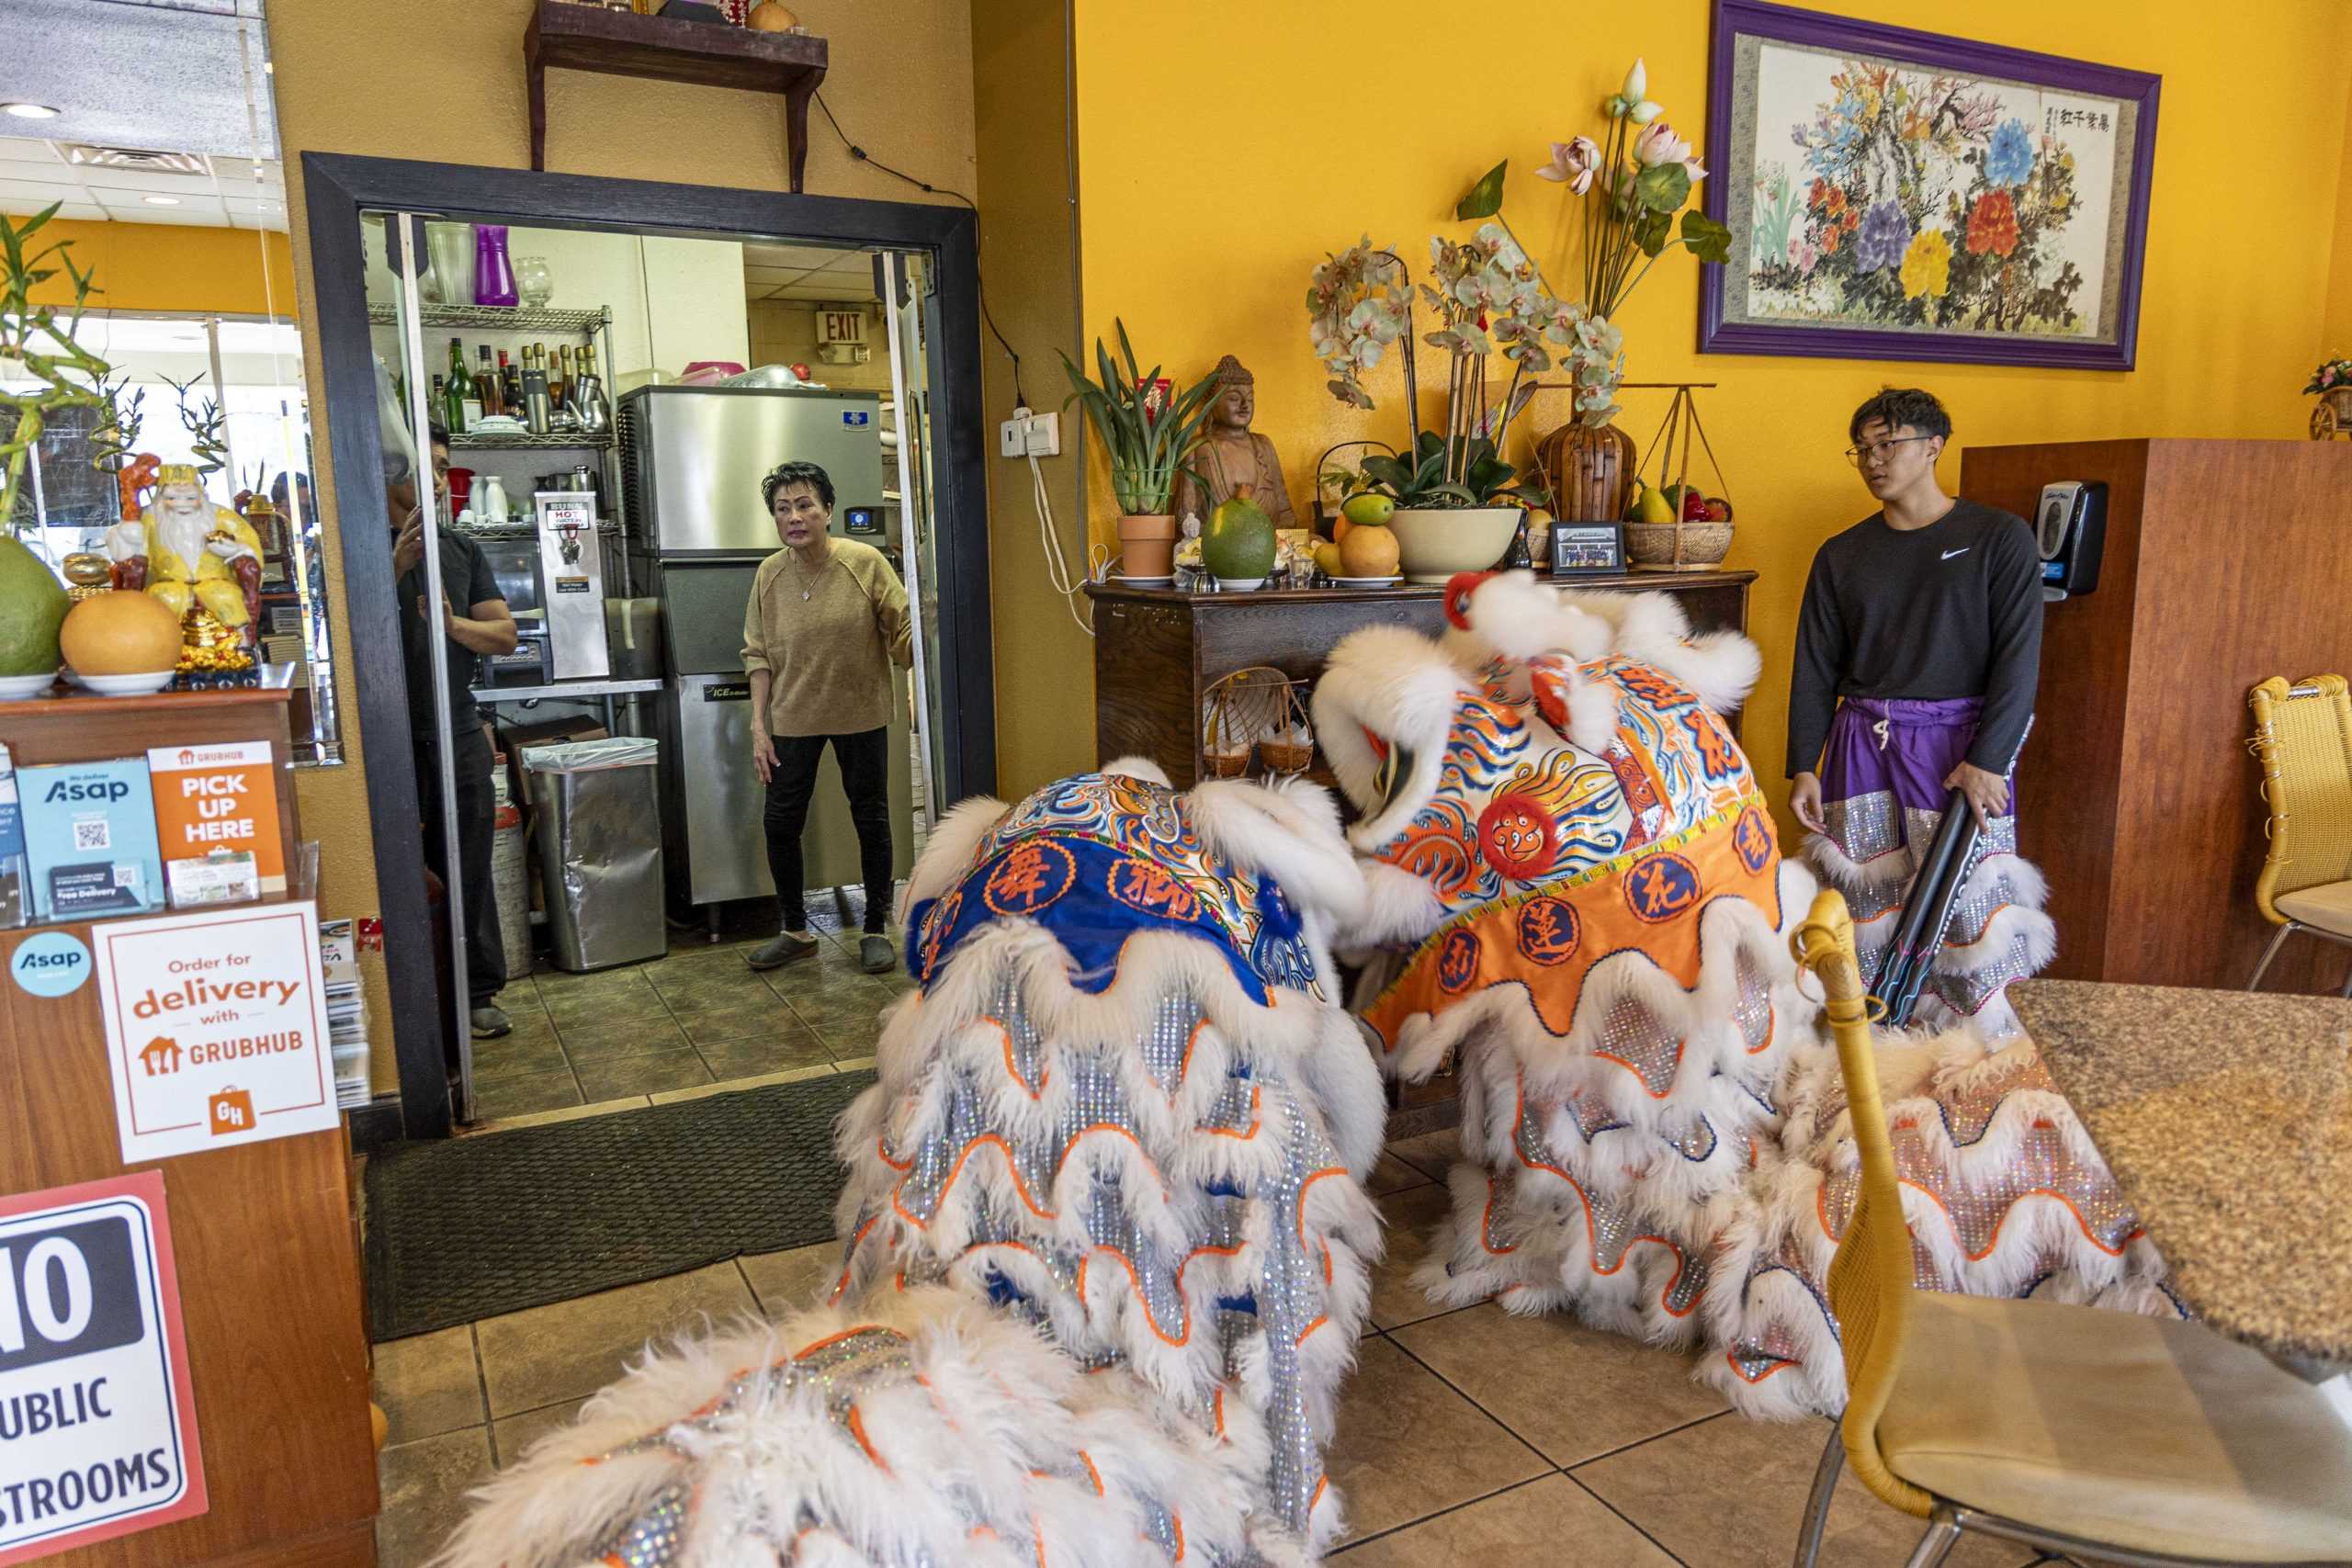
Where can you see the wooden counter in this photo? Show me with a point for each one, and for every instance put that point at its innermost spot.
(1158, 651)
(266, 1253)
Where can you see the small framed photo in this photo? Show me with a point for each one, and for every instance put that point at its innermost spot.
(1587, 550)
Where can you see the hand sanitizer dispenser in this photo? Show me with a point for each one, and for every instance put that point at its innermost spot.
(2070, 526)
(572, 568)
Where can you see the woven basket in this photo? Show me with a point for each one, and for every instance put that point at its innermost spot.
(1651, 545)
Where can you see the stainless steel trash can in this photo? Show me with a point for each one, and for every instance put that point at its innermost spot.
(598, 834)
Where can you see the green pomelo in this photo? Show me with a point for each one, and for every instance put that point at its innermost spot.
(1238, 542)
(32, 605)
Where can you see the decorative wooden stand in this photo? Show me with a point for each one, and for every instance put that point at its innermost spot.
(621, 43)
(266, 1247)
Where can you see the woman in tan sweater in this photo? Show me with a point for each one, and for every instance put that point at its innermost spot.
(826, 621)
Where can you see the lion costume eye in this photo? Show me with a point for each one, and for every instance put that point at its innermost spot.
(1394, 773)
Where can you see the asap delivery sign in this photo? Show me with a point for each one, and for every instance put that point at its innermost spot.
(216, 1027)
(98, 1420)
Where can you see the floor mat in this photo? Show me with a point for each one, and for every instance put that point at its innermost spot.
(473, 1227)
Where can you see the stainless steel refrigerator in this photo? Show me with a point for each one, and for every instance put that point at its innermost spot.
(692, 459)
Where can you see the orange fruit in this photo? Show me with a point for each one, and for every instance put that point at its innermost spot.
(120, 633)
(1368, 551)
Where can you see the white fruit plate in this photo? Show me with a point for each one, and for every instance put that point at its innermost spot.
(129, 685)
(1367, 581)
(16, 688)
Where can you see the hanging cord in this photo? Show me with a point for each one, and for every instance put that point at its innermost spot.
(863, 156)
(1058, 570)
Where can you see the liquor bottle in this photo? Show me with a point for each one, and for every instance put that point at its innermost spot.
(560, 377)
(509, 384)
(535, 393)
(437, 410)
(486, 384)
(453, 409)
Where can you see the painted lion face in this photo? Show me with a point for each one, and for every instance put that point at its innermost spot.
(1547, 738)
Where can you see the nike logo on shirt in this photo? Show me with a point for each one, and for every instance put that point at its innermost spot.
(1961, 551)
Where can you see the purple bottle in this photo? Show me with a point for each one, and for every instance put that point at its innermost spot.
(493, 277)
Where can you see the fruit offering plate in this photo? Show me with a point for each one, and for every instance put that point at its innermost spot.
(1367, 581)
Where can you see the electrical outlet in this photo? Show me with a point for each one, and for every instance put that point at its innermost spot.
(1027, 434)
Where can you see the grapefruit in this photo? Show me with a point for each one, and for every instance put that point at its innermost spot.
(121, 634)
(1369, 551)
(32, 604)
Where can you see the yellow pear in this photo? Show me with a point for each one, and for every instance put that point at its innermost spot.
(1655, 507)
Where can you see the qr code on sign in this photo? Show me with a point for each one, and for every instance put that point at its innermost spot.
(91, 833)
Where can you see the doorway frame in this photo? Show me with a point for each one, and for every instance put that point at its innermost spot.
(336, 188)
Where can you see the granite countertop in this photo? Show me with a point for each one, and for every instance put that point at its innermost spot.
(2227, 1119)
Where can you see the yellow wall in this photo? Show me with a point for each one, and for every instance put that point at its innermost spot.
(1218, 168)
(446, 84)
(2336, 332)
(1045, 678)
(176, 266)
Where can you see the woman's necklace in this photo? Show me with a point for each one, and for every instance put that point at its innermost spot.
(809, 580)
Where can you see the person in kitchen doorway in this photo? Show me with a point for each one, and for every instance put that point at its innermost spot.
(1919, 648)
(485, 626)
(826, 621)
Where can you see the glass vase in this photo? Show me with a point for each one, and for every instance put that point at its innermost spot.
(493, 273)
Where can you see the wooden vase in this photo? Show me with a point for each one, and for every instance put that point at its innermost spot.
(1589, 472)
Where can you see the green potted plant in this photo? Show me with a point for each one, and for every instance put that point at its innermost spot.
(1147, 434)
(37, 344)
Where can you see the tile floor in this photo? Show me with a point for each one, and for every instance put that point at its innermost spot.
(700, 1016)
(1464, 1435)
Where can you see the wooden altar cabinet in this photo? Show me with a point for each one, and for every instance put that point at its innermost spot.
(1158, 651)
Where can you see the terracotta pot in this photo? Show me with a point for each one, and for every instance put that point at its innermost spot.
(1590, 471)
(1147, 546)
(1433, 545)
(1650, 545)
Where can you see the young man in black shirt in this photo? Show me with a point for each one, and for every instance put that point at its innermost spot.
(485, 626)
(1919, 648)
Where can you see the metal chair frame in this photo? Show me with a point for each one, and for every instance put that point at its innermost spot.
(1871, 1288)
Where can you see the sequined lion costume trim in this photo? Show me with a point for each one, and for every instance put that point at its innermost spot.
(1577, 897)
(919, 1428)
(1105, 1241)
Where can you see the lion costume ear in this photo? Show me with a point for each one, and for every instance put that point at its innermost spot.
(1583, 712)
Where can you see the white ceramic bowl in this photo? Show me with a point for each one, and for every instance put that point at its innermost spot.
(129, 685)
(1433, 545)
(16, 688)
(1241, 584)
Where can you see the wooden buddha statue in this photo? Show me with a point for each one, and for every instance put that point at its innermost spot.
(1233, 456)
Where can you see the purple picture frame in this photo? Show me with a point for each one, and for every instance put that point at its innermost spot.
(1734, 18)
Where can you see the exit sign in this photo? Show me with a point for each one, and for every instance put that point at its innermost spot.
(841, 326)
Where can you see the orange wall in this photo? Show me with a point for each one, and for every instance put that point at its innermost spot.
(176, 267)
(1312, 137)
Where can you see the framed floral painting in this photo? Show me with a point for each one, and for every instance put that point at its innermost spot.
(1899, 195)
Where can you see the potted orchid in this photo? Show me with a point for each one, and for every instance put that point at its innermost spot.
(1490, 296)
(1457, 506)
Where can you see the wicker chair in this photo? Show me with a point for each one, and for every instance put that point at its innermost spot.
(2076, 1430)
(2302, 738)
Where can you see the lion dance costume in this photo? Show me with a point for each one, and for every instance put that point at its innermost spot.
(1576, 894)
(1105, 1241)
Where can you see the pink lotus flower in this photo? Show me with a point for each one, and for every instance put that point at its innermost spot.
(1659, 145)
(1573, 163)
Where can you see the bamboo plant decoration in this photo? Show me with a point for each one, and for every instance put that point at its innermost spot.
(41, 338)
